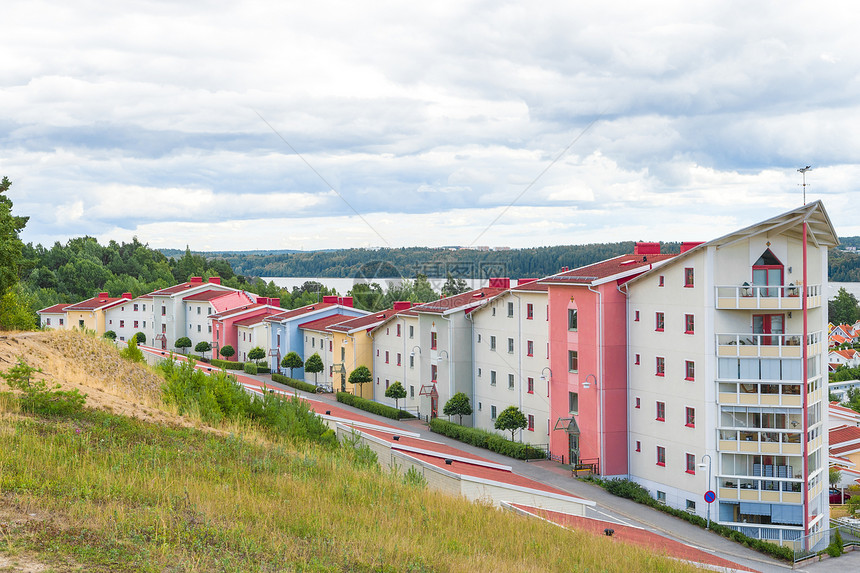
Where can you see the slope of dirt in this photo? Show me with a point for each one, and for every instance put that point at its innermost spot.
(93, 366)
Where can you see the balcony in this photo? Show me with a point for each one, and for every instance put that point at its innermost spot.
(748, 297)
(760, 441)
(757, 393)
(753, 488)
(769, 345)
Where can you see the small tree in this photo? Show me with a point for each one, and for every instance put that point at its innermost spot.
(256, 354)
(313, 365)
(132, 352)
(140, 337)
(458, 405)
(835, 476)
(110, 335)
(360, 376)
(203, 348)
(183, 343)
(511, 419)
(292, 361)
(396, 391)
(227, 351)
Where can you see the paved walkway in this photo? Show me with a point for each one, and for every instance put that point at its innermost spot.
(609, 507)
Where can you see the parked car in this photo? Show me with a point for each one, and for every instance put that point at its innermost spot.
(324, 388)
(836, 496)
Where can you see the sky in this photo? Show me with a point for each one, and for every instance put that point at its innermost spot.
(317, 125)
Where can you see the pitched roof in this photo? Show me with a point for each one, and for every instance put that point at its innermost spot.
(56, 309)
(186, 286)
(299, 311)
(465, 300)
(840, 411)
(366, 322)
(95, 303)
(240, 310)
(842, 437)
(205, 295)
(322, 324)
(620, 265)
(255, 319)
(847, 353)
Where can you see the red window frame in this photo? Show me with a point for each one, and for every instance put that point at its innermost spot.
(661, 411)
(659, 321)
(638, 446)
(636, 316)
(531, 427)
(661, 366)
(661, 281)
(690, 417)
(689, 277)
(398, 330)
(689, 324)
(434, 371)
(689, 370)
(661, 456)
(432, 341)
(691, 464)
(530, 348)
(637, 359)
(399, 357)
(638, 402)
(530, 311)
(531, 385)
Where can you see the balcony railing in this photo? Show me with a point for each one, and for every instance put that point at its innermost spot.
(767, 297)
(768, 345)
(760, 440)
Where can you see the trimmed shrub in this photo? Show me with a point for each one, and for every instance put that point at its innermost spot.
(263, 369)
(293, 383)
(487, 440)
(226, 364)
(250, 368)
(372, 407)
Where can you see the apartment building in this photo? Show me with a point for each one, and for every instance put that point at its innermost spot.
(727, 390)
(396, 353)
(319, 340)
(171, 312)
(91, 313)
(353, 347)
(53, 317)
(510, 341)
(129, 317)
(225, 325)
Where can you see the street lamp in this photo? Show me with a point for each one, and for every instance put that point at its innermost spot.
(543, 376)
(446, 354)
(702, 465)
(414, 348)
(588, 380)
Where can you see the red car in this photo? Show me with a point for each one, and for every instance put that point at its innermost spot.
(836, 496)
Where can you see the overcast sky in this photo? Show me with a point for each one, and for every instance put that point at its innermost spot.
(305, 125)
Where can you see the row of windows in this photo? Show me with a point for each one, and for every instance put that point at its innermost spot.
(208, 310)
(689, 278)
(530, 311)
(530, 345)
(121, 323)
(689, 413)
(689, 460)
(660, 367)
(530, 382)
(529, 417)
(660, 322)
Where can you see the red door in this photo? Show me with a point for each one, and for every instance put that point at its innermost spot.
(769, 324)
(434, 406)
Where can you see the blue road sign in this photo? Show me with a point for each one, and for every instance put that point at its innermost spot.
(710, 496)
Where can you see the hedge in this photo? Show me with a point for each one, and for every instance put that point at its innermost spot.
(293, 383)
(227, 365)
(250, 368)
(372, 407)
(631, 490)
(486, 440)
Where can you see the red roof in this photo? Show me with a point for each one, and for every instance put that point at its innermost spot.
(323, 323)
(836, 408)
(95, 303)
(533, 286)
(238, 310)
(254, 319)
(367, 321)
(473, 297)
(299, 311)
(206, 294)
(634, 536)
(607, 268)
(56, 309)
(842, 434)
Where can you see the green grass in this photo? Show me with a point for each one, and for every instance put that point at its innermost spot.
(113, 493)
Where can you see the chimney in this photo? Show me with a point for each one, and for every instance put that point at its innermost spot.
(330, 299)
(196, 280)
(499, 282)
(687, 245)
(401, 305)
(215, 280)
(346, 301)
(103, 295)
(564, 269)
(262, 300)
(126, 295)
(521, 282)
(646, 249)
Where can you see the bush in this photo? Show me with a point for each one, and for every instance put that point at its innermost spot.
(250, 368)
(226, 364)
(263, 369)
(293, 383)
(487, 440)
(37, 397)
(372, 407)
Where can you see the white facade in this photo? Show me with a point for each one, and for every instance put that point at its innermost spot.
(170, 316)
(398, 337)
(130, 317)
(510, 337)
(197, 315)
(318, 342)
(719, 341)
(250, 336)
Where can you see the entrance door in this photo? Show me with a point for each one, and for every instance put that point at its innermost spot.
(434, 406)
(573, 446)
(769, 324)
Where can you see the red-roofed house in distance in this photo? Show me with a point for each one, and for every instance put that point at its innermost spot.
(170, 311)
(53, 317)
(90, 313)
(587, 353)
(225, 331)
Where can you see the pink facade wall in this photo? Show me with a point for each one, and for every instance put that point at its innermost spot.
(612, 379)
(224, 331)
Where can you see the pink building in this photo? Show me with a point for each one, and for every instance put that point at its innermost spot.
(588, 364)
(225, 327)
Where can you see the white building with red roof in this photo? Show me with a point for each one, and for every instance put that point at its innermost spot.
(318, 340)
(225, 326)
(53, 317)
(130, 317)
(171, 313)
(91, 313)
(397, 338)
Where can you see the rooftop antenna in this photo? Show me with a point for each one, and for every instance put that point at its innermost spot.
(803, 171)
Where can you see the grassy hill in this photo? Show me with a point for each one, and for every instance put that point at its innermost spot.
(129, 485)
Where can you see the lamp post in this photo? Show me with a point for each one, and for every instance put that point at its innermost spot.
(702, 465)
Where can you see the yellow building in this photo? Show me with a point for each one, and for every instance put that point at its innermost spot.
(352, 347)
(90, 314)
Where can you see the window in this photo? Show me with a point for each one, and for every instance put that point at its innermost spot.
(163, 310)
(492, 412)
(636, 316)
(572, 319)
(691, 464)
(134, 307)
(198, 310)
(387, 383)
(510, 345)
(164, 329)
(81, 324)
(199, 328)
(208, 310)
(636, 360)
(492, 342)
(412, 391)
(690, 417)
(433, 341)
(61, 322)
(314, 343)
(531, 385)
(690, 370)
(135, 324)
(492, 377)
(510, 381)
(661, 461)
(398, 330)
(638, 446)
(661, 495)
(572, 361)
(48, 322)
(411, 361)
(638, 402)
(659, 322)
(689, 324)
(661, 366)
(398, 359)
(661, 281)
(530, 311)
(122, 324)
(386, 357)
(411, 331)
(494, 311)
(691, 506)
(531, 427)
(144, 308)
(661, 411)
(573, 402)
(377, 350)
(688, 277)
(387, 331)
(530, 347)
(479, 372)
(510, 310)
(434, 370)
(279, 336)
(330, 345)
